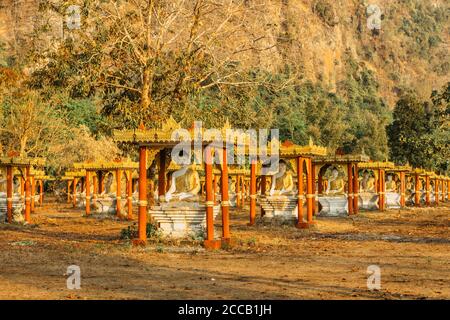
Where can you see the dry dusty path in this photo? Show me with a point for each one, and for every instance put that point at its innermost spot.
(329, 261)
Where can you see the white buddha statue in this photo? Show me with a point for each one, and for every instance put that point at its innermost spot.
(282, 181)
(185, 184)
(367, 183)
(391, 186)
(335, 184)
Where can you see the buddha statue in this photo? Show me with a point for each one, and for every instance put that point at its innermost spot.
(391, 186)
(185, 184)
(2, 181)
(367, 183)
(282, 181)
(335, 184)
(231, 185)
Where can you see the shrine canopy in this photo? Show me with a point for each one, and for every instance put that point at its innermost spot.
(21, 162)
(377, 165)
(107, 165)
(400, 168)
(170, 134)
(342, 159)
(73, 173)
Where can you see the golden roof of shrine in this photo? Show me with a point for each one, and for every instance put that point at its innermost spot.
(21, 161)
(34, 172)
(418, 171)
(405, 168)
(288, 149)
(377, 165)
(166, 135)
(107, 165)
(74, 174)
(346, 158)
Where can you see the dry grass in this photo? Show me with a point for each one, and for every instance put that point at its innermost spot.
(267, 261)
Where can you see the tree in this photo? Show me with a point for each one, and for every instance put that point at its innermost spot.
(148, 57)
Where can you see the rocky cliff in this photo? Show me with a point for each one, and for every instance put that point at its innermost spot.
(323, 39)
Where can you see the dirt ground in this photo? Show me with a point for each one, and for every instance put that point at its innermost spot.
(328, 261)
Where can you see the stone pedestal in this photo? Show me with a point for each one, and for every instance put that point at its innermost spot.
(368, 201)
(333, 206)
(105, 204)
(18, 207)
(181, 219)
(231, 199)
(282, 207)
(393, 200)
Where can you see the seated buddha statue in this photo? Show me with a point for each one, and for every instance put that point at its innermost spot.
(391, 186)
(367, 183)
(335, 184)
(231, 185)
(282, 181)
(185, 184)
(2, 181)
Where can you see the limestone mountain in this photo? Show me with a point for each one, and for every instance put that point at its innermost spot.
(320, 39)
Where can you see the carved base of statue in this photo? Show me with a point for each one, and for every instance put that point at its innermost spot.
(181, 219)
(107, 204)
(368, 201)
(279, 206)
(231, 199)
(393, 200)
(432, 197)
(333, 206)
(18, 207)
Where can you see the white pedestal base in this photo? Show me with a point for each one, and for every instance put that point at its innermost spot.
(333, 206)
(180, 219)
(392, 200)
(18, 207)
(368, 201)
(282, 207)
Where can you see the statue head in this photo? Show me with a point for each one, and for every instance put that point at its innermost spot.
(282, 166)
(389, 177)
(334, 173)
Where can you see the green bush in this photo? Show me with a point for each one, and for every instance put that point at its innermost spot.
(131, 232)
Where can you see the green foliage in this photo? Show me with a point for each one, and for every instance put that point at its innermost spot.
(420, 132)
(423, 26)
(131, 232)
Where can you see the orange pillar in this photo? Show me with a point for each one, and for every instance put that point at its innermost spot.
(214, 188)
(300, 223)
(225, 199)
(22, 188)
(118, 192)
(313, 174)
(383, 188)
(33, 193)
(416, 192)
(436, 191)
(142, 220)
(355, 189)
(402, 189)
(309, 192)
(252, 192)
(448, 190)
(442, 192)
(130, 195)
(95, 187)
(68, 191)
(74, 187)
(9, 194)
(263, 191)
(427, 190)
(101, 185)
(41, 192)
(350, 188)
(238, 191)
(88, 192)
(162, 175)
(209, 242)
(27, 196)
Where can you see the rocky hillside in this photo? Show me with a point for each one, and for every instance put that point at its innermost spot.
(323, 39)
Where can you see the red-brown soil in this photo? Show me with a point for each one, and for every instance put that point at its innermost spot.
(328, 261)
